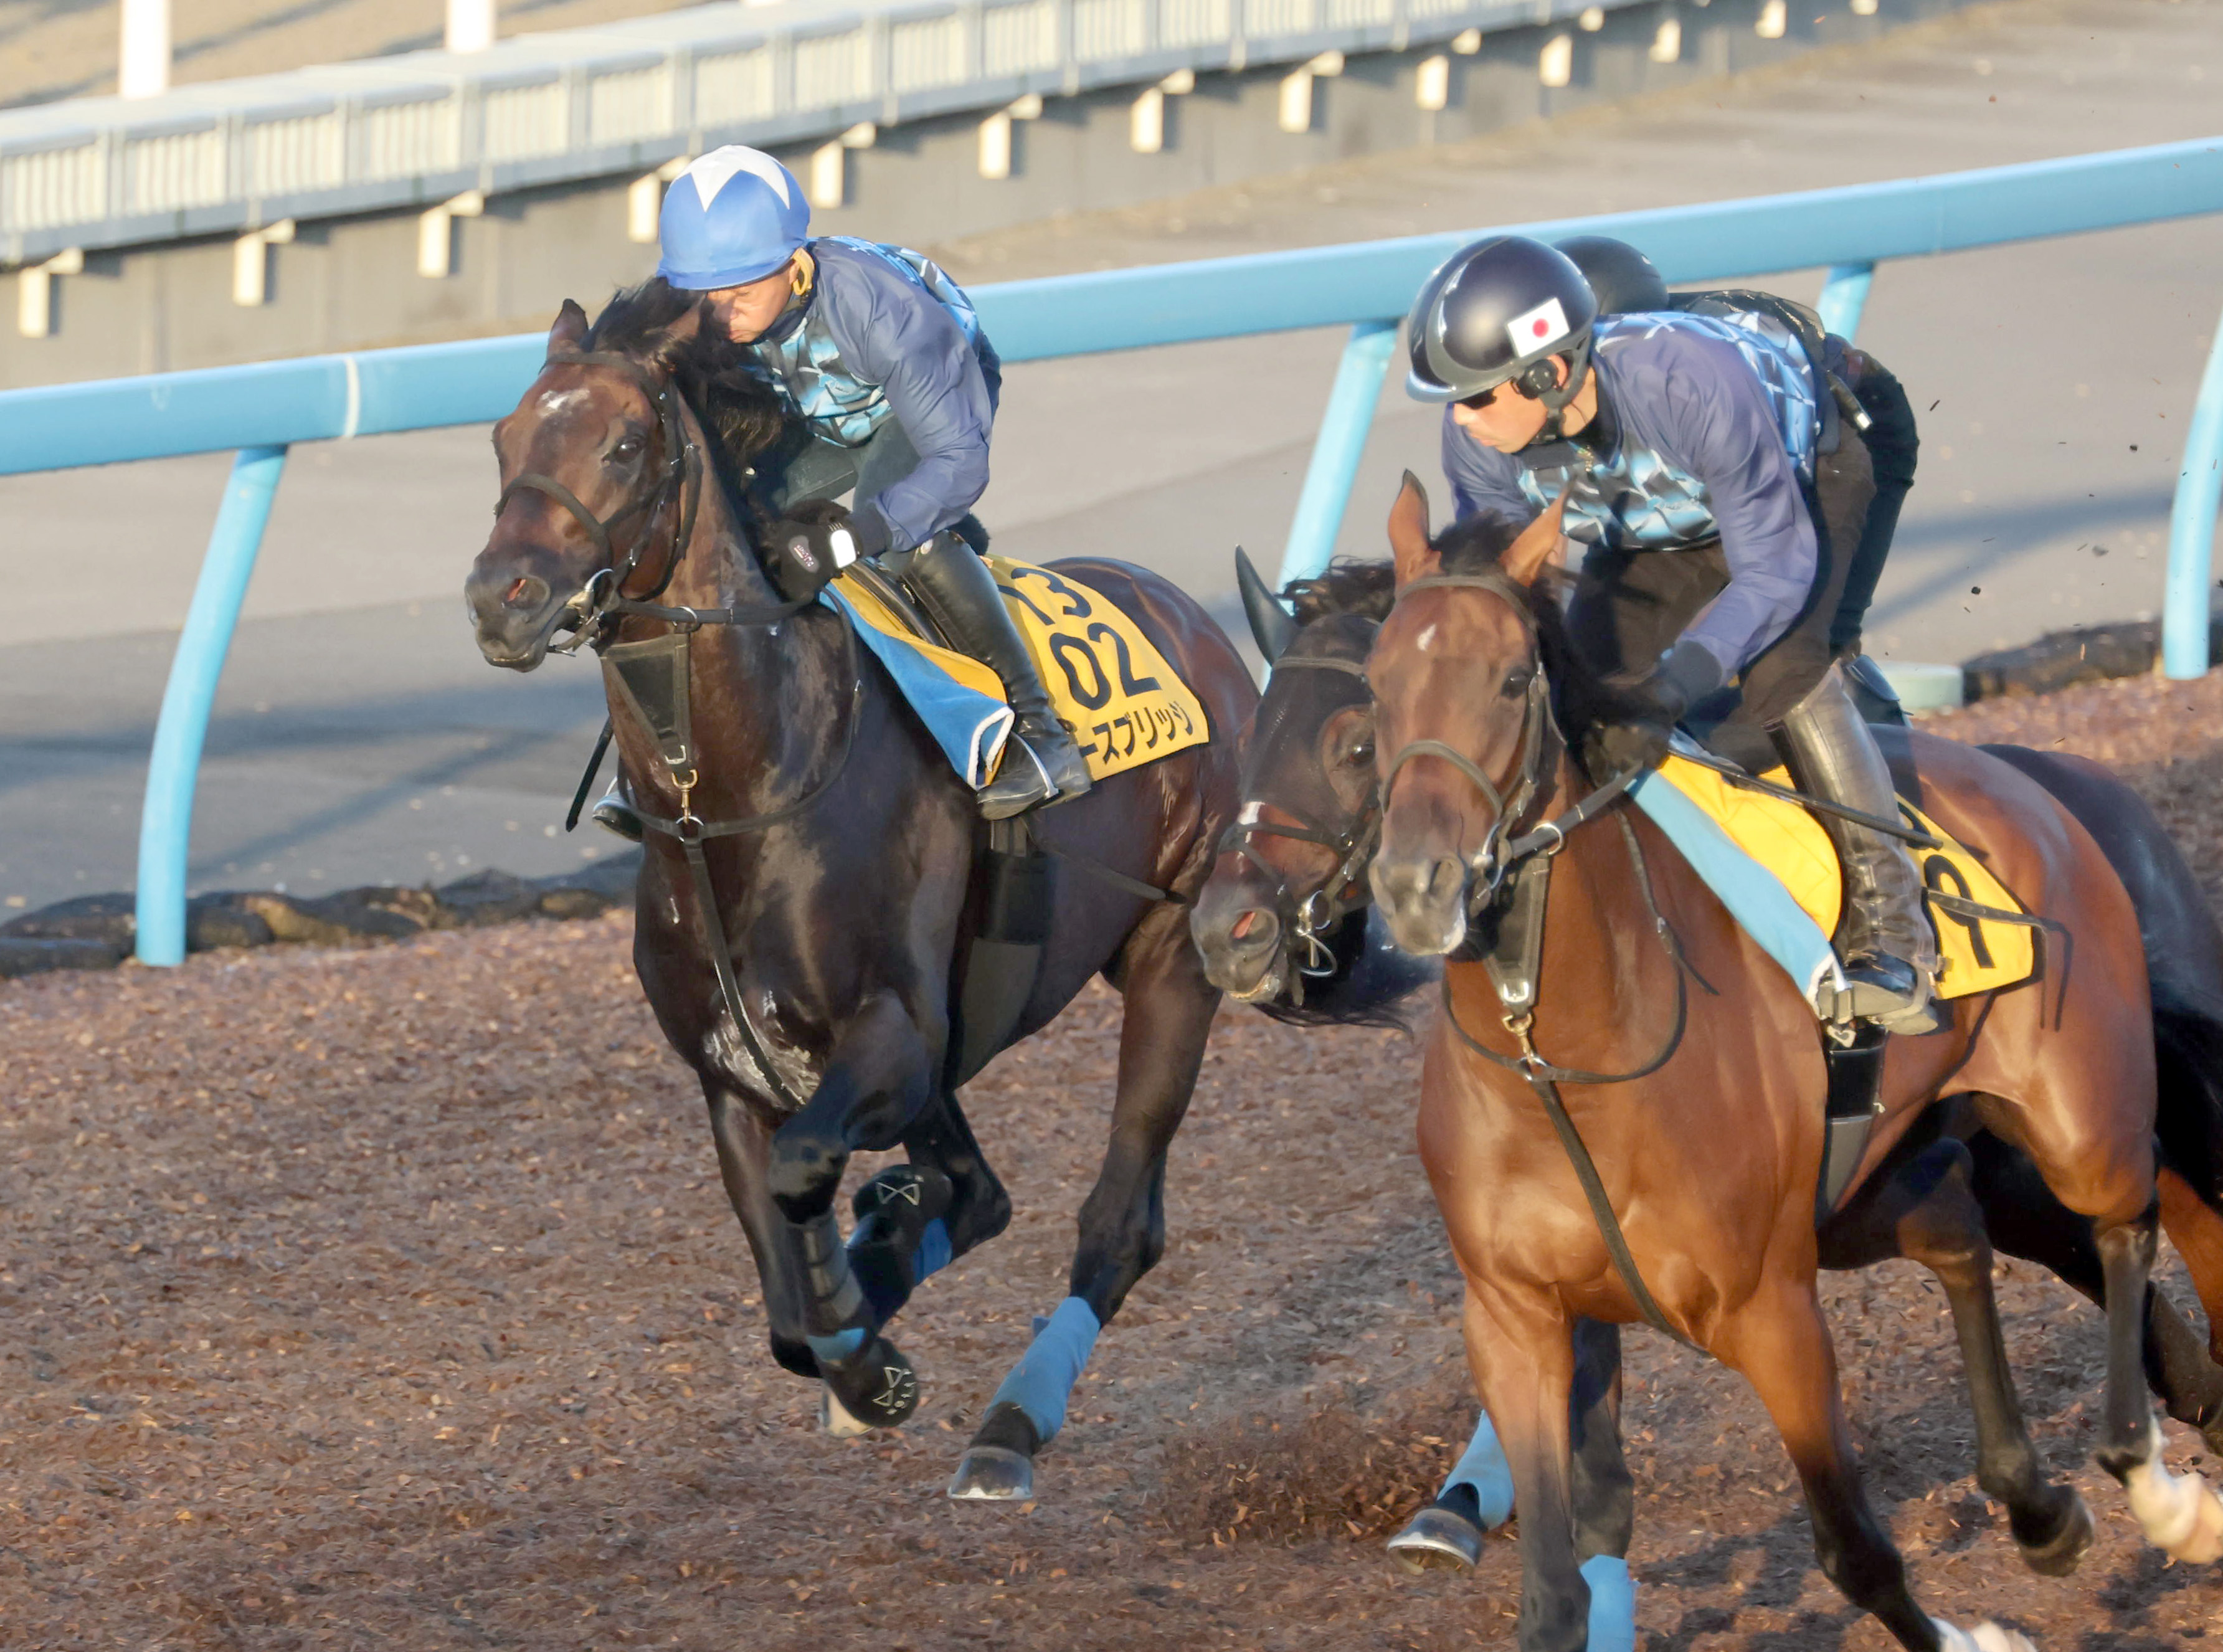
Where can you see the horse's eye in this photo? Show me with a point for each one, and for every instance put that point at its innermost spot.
(1362, 755)
(1517, 680)
(631, 448)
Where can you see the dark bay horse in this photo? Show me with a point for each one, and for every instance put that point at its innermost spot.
(1288, 893)
(838, 847)
(1667, 1056)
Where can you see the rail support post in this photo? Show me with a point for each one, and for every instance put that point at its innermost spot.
(1336, 451)
(2192, 529)
(165, 824)
(1844, 294)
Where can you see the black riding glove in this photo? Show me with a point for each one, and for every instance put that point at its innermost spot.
(802, 555)
(1681, 677)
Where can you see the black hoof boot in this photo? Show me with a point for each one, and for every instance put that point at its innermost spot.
(2056, 1557)
(998, 1467)
(877, 1388)
(894, 1210)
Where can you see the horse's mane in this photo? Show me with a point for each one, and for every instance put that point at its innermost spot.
(1368, 589)
(720, 379)
(1582, 698)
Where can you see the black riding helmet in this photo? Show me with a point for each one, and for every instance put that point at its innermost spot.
(1498, 312)
(1624, 281)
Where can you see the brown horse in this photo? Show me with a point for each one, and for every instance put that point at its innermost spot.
(1642, 1140)
(837, 850)
(1286, 907)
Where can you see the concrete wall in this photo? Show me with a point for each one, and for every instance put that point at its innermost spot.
(351, 283)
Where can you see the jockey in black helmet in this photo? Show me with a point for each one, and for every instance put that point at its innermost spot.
(1717, 518)
(1626, 282)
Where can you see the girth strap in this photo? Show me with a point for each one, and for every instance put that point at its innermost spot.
(1098, 870)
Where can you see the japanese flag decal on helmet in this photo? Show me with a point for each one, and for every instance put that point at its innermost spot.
(1493, 311)
(1539, 328)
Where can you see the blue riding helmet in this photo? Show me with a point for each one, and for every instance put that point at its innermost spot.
(734, 216)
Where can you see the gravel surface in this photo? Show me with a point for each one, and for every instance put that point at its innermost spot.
(386, 1298)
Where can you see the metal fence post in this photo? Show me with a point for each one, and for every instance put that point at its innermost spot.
(165, 824)
(1844, 293)
(2192, 528)
(1336, 451)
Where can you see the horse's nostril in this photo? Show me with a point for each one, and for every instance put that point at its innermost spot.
(1244, 925)
(517, 589)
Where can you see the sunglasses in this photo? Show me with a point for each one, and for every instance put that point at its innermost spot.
(1480, 399)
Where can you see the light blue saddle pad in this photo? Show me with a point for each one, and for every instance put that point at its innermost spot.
(1755, 896)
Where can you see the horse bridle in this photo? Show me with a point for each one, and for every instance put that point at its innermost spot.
(603, 596)
(1309, 919)
(602, 599)
(1514, 963)
(1486, 867)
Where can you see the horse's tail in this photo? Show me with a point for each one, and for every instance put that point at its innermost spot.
(2188, 1062)
(1370, 986)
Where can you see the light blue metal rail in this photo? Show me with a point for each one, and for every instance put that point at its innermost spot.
(260, 409)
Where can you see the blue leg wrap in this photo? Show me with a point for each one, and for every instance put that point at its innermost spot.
(1612, 1603)
(1045, 1375)
(932, 1250)
(1485, 1468)
(839, 1347)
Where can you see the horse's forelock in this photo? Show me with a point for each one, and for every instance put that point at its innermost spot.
(718, 376)
(1347, 585)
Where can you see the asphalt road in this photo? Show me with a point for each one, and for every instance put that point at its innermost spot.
(359, 738)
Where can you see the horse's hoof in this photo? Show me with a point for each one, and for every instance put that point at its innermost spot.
(1437, 1540)
(1984, 1638)
(878, 1389)
(835, 1419)
(2179, 1513)
(993, 1474)
(2058, 1555)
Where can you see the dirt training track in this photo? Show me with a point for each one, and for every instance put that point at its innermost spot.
(386, 1299)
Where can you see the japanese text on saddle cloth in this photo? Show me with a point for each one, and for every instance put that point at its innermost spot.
(1107, 681)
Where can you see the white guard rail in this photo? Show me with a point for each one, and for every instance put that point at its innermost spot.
(425, 128)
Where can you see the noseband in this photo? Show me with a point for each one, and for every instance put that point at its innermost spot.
(603, 596)
(1488, 866)
(602, 600)
(1309, 919)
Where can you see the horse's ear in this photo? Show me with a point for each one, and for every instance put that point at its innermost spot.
(570, 327)
(1539, 542)
(1271, 626)
(1408, 532)
(685, 330)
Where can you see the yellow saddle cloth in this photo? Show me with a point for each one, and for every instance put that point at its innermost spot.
(1123, 705)
(1979, 955)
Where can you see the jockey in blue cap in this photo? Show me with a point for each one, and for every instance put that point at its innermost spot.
(881, 353)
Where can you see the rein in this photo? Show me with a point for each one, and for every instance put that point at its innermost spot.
(1515, 962)
(654, 678)
(1538, 728)
(1309, 919)
(1514, 965)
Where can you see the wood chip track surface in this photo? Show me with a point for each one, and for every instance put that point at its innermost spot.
(386, 1299)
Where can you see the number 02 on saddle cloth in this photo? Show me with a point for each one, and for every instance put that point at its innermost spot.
(1780, 840)
(1107, 681)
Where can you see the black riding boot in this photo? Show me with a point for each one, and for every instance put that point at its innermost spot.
(946, 578)
(1883, 939)
(616, 812)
